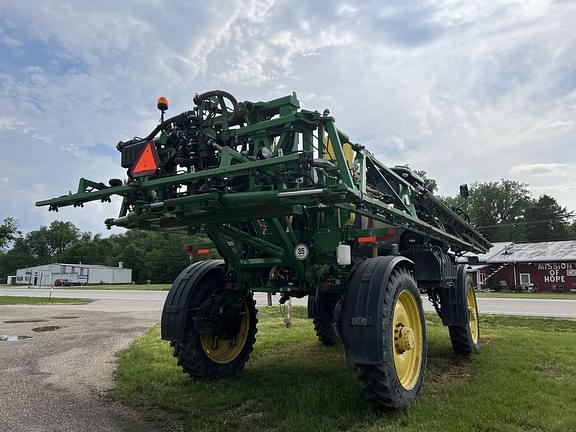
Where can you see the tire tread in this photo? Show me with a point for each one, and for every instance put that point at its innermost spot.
(326, 332)
(380, 386)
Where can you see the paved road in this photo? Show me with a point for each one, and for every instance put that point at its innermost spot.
(133, 300)
(555, 308)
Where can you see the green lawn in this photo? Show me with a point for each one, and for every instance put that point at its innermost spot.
(156, 287)
(523, 380)
(14, 300)
(166, 287)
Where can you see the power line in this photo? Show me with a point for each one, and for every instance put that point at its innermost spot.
(519, 223)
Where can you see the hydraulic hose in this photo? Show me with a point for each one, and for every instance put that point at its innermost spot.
(157, 129)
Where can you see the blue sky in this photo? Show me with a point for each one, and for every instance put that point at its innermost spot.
(466, 90)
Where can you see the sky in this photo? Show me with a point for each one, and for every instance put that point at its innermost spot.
(469, 91)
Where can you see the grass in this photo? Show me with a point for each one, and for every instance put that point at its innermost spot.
(539, 295)
(157, 287)
(523, 380)
(152, 287)
(14, 300)
(166, 287)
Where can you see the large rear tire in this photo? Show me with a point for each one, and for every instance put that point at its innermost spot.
(466, 339)
(398, 381)
(218, 343)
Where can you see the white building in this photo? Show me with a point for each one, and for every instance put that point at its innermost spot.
(46, 275)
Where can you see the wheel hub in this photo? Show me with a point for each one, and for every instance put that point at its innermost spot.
(226, 347)
(408, 334)
(405, 340)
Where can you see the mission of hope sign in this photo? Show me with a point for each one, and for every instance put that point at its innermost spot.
(554, 271)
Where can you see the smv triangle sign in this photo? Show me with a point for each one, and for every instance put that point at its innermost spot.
(147, 163)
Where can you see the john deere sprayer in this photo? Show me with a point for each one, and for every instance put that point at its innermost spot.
(295, 208)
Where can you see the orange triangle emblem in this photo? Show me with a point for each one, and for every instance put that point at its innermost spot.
(147, 163)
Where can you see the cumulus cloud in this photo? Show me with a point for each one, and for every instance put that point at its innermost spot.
(466, 90)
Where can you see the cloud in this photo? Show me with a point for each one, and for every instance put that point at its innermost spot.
(7, 123)
(466, 90)
(559, 123)
(539, 169)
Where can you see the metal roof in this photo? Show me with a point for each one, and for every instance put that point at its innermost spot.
(508, 252)
(496, 248)
(89, 266)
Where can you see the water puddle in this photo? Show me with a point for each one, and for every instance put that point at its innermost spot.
(64, 317)
(10, 338)
(23, 321)
(46, 328)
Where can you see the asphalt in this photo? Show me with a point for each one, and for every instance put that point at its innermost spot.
(135, 300)
(58, 380)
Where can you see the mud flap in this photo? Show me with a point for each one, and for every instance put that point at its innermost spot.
(363, 306)
(175, 313)
(453, 300)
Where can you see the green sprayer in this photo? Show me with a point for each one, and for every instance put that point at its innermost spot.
(295, 208)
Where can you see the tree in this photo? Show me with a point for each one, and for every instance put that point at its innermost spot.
(133, 258)
(8, 232)
(498, 209)
(155, 256)
(546, 220)
(87, 250)
(429, 183)
(455, 202)
(61, 235)
(42, 245)
(505, 211)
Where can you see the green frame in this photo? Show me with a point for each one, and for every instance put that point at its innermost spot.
(254, 229)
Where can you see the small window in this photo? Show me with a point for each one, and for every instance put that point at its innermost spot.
(524, 279)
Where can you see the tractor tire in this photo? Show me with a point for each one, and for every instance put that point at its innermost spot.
(466, 339)
(398, 381)
(326, 331)
(206, 356)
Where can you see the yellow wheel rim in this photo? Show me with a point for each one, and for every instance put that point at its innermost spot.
(407, 331)
(224, 351)
(472, 312)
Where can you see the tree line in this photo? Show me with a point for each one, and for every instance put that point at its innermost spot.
(506, 211)
(153, 256)
(502, 211)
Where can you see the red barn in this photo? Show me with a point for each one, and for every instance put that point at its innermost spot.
(545, 266)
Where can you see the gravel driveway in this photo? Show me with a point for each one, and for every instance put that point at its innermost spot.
(57, 380)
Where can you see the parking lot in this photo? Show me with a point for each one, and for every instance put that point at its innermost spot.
(56, 377)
